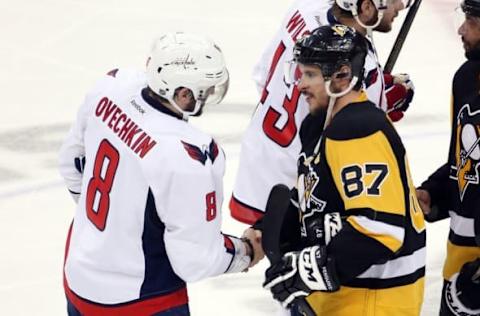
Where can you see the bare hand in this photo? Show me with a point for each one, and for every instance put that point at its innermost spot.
(425, 201)
(255, 238)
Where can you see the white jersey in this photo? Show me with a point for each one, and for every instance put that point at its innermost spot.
(271, 145)
(150, 194)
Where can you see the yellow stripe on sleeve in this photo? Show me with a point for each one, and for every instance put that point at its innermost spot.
(388, 240)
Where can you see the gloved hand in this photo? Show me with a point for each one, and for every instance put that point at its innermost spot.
(399, 90)
(463, 292)
(299, 273)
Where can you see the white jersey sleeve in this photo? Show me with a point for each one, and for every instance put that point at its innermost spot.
(72, 154)
(189, 191)
(270, 145)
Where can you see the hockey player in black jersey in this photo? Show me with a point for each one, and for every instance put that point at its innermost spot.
(361, 248)
(454, 189)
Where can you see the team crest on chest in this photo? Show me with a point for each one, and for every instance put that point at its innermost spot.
(467, 151)
(306, 183)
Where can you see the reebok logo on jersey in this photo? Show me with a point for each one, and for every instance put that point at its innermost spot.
(202, 155)
(137, 107)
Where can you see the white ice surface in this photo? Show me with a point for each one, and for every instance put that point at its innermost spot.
(52, 51)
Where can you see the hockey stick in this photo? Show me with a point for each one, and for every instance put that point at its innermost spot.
(402, 35)
(273, 220)
(275, 213)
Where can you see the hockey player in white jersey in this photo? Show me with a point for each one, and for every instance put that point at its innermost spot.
(271, 143)
(148, 186)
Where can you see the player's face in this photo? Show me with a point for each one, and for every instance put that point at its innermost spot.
(312, 86)
(470, 33)
(389, 15)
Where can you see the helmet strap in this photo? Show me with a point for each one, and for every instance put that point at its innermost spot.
(368, 28)
(186, 114)
(334, 96)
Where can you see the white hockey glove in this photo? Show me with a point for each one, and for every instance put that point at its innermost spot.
(79, 163)
(297, 274)
(242, 253)
(463, 291)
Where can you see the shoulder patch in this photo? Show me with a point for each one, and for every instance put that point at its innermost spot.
(195, 153)
(202, 154)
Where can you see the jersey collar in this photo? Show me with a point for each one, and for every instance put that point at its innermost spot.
(157, 105)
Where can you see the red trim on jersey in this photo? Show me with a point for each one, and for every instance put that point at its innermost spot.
(67, 243)
(228, 243)
(145, 307)
(244, 213)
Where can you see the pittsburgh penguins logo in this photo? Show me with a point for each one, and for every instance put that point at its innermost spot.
(306, 183)
(340, 29)
(467, 150)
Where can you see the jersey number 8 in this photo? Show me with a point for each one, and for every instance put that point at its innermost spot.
(100, 185)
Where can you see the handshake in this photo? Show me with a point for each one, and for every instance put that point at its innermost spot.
(297, 273)
(253, 241)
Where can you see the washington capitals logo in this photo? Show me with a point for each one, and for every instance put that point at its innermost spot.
(467, 151)
(203, 154)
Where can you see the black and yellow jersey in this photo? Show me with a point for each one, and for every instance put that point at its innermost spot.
(455, 187)
(358, 167)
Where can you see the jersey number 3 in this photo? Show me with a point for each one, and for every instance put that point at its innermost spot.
(100, 185)
(285, 135)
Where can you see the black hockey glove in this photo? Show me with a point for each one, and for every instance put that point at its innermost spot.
(463, 291)
(299, 273)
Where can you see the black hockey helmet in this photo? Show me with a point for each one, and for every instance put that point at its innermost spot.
(471, 7)
(331, 47)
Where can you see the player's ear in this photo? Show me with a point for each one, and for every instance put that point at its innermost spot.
(367, 9)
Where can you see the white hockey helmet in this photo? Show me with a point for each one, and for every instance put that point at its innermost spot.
(190, 61)
(352, 6)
